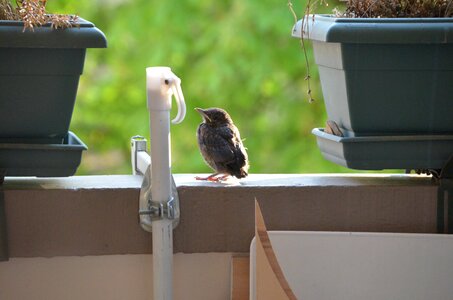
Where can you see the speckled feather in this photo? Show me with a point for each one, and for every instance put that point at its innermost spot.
(221, 146)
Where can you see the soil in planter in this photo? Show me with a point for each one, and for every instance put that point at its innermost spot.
(398, 9)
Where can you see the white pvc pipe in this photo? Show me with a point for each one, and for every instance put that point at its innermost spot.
(161, 83)
(161, 192)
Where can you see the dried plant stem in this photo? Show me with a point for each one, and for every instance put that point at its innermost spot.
(449, 9)
(7, 11)
(33, 14)
(311, 6)
(302, 42)
(304, 49)
(291, 9)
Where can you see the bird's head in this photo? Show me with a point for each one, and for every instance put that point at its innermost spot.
(214, 116)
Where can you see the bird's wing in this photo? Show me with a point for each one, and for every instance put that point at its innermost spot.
(239, 165)
(238, 156)
(219, 145)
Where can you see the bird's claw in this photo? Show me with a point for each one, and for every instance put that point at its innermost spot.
(209, 178)
(213, 178)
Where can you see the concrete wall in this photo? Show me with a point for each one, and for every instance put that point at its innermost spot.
(98, 215)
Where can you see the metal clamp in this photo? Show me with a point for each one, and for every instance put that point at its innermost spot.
(138, 145)
(150, 210)
(159, 211)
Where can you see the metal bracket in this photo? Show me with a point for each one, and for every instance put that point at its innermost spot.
(138, 145)
(150, 210)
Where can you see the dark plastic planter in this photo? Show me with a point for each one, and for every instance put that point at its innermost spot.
(386, 152)
(39, 76)
(42, 160)
(385, 76)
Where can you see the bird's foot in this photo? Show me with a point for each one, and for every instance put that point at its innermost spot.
(223, 178)
(214, 177)
(209, 178)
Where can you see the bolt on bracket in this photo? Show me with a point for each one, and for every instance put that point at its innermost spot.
(159, 211)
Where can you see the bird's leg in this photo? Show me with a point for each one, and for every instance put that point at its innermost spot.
(211, 177)
(214, 177)
(223, 177)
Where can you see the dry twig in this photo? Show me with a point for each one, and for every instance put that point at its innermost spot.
(33, 13)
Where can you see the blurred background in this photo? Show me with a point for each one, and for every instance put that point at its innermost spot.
(234, 54)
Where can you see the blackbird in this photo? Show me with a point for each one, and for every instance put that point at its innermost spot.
(221, 145)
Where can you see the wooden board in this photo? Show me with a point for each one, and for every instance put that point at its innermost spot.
(240, 277)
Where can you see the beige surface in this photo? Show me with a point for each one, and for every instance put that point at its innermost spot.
(114, 277)
(364, 266)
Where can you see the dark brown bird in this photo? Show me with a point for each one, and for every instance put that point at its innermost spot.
(221, 145)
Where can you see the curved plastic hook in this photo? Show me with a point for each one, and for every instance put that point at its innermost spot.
(179, 97)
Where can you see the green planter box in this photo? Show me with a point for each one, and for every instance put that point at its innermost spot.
(39, 76)
(417, 152)
(42, 160)
(385, 76)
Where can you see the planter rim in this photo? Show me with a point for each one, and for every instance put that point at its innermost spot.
(84, 35)
(71, 143)
(382, 20)
(386, 152)
(328, 28)
(80, 23)
(42, 160)
(383, 138)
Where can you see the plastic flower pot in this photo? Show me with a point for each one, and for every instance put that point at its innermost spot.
(39, 76)
(384, 76)
(388, 85)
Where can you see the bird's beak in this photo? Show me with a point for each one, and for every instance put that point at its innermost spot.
(203, 114)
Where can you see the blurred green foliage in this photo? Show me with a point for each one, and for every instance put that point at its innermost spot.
(234, 54)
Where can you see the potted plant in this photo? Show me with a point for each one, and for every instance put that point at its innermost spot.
(386, 71)
(41, 59)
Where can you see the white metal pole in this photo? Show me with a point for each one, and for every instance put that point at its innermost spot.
(161, 84)
(161, 192)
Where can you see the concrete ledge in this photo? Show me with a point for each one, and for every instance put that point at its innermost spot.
(97, 215)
